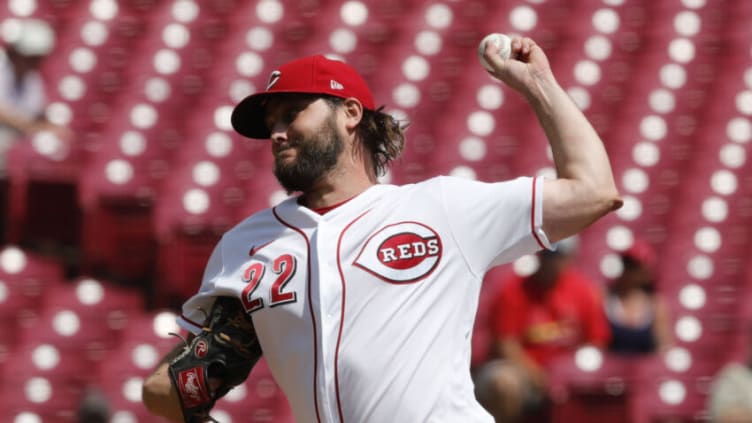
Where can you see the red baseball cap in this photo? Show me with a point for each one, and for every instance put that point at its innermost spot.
(308, 75)
(641, 252)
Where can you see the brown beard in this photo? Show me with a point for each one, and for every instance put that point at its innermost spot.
(316, 156)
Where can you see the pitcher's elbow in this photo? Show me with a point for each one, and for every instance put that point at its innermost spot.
(607, 200)
(600, 192)
(613, 201)
(610, 200)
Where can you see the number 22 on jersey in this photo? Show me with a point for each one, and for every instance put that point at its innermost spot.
(283, 269)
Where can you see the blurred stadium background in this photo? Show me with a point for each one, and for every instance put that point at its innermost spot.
(107, 236)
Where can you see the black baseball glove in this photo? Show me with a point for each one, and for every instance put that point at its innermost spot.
(216, 360)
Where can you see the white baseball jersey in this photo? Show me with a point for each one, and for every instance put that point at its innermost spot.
(365, 313)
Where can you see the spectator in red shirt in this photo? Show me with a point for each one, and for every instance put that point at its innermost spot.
(534, 319)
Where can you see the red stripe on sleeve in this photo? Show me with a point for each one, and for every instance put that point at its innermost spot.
(191, 322)
(532, 215)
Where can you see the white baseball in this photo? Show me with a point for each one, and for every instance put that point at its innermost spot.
(502, 42)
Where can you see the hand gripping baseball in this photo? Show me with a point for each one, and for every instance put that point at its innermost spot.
(525, 67)
(217, 359)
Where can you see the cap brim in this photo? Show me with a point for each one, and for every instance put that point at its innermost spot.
(248, 117)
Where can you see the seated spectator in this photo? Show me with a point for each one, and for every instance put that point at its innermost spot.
(93, 407)
(22, 89)
(637, 314)
(730, 399)
(535, 319)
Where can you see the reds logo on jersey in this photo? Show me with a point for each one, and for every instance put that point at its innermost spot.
(403, 252)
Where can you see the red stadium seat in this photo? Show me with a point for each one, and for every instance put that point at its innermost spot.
(258, 399)
(72, 333)
(45, 380)
(665, 395)
(111, 306)
(124, 179)
(28, 276)
(144, 342)
(84, 75)
(153, 328)
(590, 386)
(25, 281)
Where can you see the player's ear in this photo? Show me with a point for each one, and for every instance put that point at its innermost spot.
(353, 112)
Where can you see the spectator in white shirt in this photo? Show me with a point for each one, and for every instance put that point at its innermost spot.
(22, 91)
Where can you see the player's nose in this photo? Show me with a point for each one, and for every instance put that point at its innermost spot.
(278, 132)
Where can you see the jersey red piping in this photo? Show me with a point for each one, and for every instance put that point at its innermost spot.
(532, 215)
(342, 315)
(310, 309)
(324, 210)
(189, 321)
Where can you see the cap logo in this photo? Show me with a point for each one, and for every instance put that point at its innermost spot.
(273, 78)
(336, 85)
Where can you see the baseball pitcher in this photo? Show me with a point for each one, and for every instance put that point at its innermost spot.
(361, 296)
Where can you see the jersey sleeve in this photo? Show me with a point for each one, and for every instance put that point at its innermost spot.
(495, 223)
(192, 316)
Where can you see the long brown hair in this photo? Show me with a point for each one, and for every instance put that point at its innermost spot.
(381, 133)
